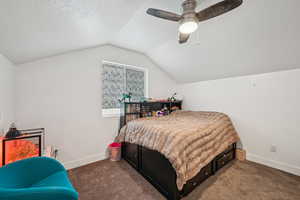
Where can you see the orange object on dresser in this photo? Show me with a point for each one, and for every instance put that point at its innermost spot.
(18, 150)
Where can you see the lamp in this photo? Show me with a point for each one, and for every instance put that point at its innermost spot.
(188, 25)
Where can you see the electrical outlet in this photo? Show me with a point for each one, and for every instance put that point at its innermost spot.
(273, 148)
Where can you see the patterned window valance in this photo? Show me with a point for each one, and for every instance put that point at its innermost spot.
(118, 79)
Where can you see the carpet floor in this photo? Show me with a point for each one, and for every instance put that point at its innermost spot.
(105, 180)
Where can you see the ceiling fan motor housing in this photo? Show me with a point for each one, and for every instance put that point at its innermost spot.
(189, 13)
(189, 6)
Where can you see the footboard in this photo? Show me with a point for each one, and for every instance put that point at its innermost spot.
(157, 169)
(159, 172)
(154, 167)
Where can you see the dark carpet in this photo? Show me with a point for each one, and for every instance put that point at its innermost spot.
(237, 181)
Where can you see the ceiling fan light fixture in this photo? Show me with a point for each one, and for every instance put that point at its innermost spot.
(189, 19)
(188, 26)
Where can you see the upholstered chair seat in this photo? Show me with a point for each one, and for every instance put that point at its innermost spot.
(38, 178)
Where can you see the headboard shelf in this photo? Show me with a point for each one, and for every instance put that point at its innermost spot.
(134, 110)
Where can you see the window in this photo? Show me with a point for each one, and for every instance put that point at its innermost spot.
(118, 79)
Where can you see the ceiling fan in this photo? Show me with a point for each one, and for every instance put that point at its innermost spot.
(190, 18)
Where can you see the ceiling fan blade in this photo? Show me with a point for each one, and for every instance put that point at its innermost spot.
(218, 9)
(164, 14)
(183, 38)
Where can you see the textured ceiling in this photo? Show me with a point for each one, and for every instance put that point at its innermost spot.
(258, 37)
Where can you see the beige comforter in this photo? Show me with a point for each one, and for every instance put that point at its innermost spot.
(189, 140)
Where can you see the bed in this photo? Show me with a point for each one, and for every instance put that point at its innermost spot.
(175, 153)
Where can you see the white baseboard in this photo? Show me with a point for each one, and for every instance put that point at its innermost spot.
(274, 164)
(84, 161)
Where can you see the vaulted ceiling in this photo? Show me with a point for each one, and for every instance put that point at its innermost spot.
(260, 36)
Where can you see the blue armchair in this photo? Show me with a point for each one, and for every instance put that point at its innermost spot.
(38, 178)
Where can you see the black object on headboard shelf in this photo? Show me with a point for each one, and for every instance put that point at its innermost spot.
(135, 110)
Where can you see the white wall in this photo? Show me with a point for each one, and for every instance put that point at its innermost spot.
(265, 110)
(63, 95)
(7, 94)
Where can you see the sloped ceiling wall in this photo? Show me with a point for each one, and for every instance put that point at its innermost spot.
(261, 36)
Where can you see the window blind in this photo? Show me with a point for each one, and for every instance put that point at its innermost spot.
(118, 79)
(135, 84)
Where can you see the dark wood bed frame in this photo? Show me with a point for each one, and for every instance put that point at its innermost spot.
(157, 169)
